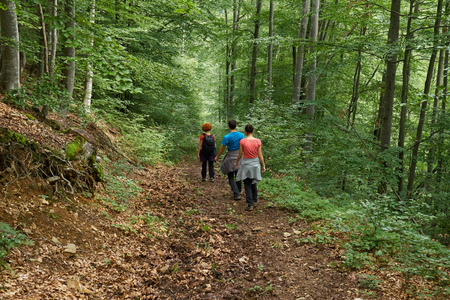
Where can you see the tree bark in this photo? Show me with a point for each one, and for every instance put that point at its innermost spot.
(434, 117)
(391, 68)
(404, 96)
(423, 107)
(10, 71)
(300, 55)
(236, 12)
(226, 95)
(69, 50)
(351, 115)
(270, 51)
(90, 73)
(312, 82)
(255, 53)
(54, 38)
(44, 39)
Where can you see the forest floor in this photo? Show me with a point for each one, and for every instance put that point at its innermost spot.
(178, 239)
(182, 239)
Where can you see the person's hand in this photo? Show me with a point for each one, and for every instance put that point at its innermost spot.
(235, 166)
(216, 159)
(263, 169)
(198, 156)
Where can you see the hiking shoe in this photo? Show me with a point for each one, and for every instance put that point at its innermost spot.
(249, 208)
(211, 179)
(255, 204)
(203, 179)
(237, 198)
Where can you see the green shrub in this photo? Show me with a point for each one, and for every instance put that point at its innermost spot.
(9, 239)
(289, 193)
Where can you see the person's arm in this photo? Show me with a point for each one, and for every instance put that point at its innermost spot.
(261, 159)
(199, 148)
(220, 152)
(241, 151)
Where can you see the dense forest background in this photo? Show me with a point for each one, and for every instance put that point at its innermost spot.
(348, 97)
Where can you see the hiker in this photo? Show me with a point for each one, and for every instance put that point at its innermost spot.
(231, 143)
(250, 169)
(206, 151)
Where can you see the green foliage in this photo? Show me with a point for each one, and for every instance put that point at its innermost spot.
(121, 189)
(290, 193)
(9, 239)
(384, 229)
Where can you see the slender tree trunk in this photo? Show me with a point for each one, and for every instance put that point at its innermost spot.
(423, 107)
(236, 12)
(90, 73)
(355, 93)
(226, 95)
(255, 53)
(10, 71)
(440, 162)
(391, 68)
(54, 37)
(312, 82)
(69, 50)
(404, 97)
(270, 52)
(300, 55)
(434, 117)
(44, 38)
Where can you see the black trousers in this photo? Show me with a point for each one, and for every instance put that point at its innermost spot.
(251, 193)
(210, 167)
(235, 185)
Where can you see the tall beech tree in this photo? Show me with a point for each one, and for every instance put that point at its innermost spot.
(312, 79)
(299, 55)
(391, 68)
(10, 56)
(255, 52)
(423, 106)
(404, 95)
(270, 50)
(69, 48)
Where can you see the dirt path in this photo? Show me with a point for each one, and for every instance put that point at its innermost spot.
(268, 260)
(181, 239)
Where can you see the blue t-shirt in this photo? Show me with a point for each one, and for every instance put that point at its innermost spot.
(231, 140)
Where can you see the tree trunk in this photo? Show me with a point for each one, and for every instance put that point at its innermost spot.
(90, 72)
(69, 50)
(300, 55)
(10, 71)
(226, 94)
(434, 117)
(270, 51)
(423, 107)
(391, 69)
(255, 53)
(236, 12)
(404, 97)
(44, 39)
(312, 82)
(355, 93)
(54, 38)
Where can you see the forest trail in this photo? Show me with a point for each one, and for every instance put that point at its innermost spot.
(180, 239)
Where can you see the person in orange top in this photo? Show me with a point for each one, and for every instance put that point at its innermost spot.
(207, 151)
(250, 169)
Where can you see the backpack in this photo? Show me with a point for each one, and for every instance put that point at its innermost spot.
(209, 144)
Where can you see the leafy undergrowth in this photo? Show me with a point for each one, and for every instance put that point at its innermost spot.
(379, 236)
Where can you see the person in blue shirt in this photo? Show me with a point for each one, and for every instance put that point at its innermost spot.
(231, 143)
